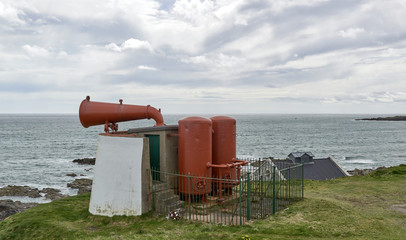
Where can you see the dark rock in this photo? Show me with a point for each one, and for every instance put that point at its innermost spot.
(395, 118)
(9, 207)
(52, 193)
(23, 191)
(363, 172)
(88, 161)
(380, 168)
(83, 184)
(71, 175)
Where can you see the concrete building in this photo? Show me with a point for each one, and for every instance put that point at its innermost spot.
(123, 175)
(301, 157)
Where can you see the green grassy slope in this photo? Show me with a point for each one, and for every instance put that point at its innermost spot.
(347, 208)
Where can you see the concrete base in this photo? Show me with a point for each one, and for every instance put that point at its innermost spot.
(121, 183)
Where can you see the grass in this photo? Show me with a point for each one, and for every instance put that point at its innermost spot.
(347, 208)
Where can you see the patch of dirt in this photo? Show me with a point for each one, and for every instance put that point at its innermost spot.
(400, 208)
(93, 229)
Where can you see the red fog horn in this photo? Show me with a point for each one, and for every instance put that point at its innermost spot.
(98, 113)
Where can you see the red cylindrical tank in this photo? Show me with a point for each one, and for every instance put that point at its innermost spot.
(195, 152)
(224, 151)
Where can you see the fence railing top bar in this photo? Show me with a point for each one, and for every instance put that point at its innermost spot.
(292, 167)
(197, 176)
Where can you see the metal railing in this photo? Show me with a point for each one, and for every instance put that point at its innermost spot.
(259, 189)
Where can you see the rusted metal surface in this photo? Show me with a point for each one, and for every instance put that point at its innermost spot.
(98, 113)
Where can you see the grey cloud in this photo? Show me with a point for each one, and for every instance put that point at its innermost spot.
(23, 87)
(373, 97)
(166, 4)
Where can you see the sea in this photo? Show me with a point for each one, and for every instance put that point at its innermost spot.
(37, 150)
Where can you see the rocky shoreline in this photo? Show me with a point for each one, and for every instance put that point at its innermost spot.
(395, 118)
(9, 207)
(363, 172)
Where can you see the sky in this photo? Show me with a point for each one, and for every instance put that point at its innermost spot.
(203, 56)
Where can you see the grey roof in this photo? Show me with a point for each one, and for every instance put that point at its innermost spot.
(300, 154)
(323, 169)
(153, 129)
(319, 169)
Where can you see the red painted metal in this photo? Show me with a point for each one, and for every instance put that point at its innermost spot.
(225, 165)
(98, 113)
(195, 152)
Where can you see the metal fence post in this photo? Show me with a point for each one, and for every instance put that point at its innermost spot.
(240, 200)
(289, 184)
(274, 190)
(261, 195)
(302, 180)
(190, 213)
(248, 197)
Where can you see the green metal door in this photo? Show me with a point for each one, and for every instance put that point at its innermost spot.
(154, 155)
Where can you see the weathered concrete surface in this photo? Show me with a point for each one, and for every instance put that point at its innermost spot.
(117, 186)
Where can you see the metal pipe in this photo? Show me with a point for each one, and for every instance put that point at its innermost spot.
(209, 165)
(227, 165)
(98, 113)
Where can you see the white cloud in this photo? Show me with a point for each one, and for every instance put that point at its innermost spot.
(113, 47)
(196, 60)
(35, 51)
(11, 14)
(196, 11)
(130, 44)
(135, 44)
(351, 33)
(148, 68)
(281, 5)
(218, 66)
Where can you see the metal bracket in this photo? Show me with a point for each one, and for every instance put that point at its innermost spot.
(112, 126)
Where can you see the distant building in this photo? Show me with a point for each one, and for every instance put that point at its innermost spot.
(301, 157)
(315, 169)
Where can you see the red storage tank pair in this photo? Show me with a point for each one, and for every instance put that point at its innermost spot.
(207, 148)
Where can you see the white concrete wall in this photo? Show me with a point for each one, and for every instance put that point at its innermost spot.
(117, 182)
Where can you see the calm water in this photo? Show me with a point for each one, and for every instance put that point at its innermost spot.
(37, 150)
